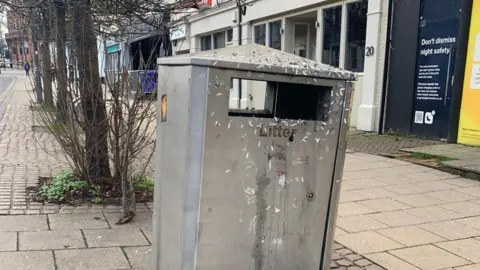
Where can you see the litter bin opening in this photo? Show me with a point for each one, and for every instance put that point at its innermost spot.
(269, 99)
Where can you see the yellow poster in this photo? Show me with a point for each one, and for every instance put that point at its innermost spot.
(469, 126)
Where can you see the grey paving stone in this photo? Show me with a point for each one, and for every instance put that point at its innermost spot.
(363, 262)
(27, 260)
(374, 267)
(141, 220)
(148, 233)
(23, 223)
(461, 163)
(353, 257)
(77, 221)
(47, 211)
(472, 168)
(8, 241)
(344, 262)
(17, 212)
(32, 212)
(51, 240)
(139, 257)
(115, 237)
(91, 259)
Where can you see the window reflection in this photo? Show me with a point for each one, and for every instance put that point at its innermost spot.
(229, 35)
(276, 35)
(206, 43)
(356, 34)
(219, 40)
(260, 34)
(332, 25)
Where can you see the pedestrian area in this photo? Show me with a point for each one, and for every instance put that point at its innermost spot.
(395, 214)
(404, 216)
(392, 214)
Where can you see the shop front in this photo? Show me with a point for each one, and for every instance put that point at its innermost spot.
(421, 67)
(469, 124)
(347, 34)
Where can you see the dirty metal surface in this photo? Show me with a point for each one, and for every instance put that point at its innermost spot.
(244, 192)
(259, 58)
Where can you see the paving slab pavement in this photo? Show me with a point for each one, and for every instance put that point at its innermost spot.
(392, 214)
(404, 216)
(461, 157)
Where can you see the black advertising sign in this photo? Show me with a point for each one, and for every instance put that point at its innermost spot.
(434, 71)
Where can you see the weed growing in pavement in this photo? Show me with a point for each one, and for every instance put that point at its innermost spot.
(143, 183)
(418, 155)
(64, 188)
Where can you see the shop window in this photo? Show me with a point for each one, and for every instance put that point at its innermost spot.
(229, 35)
(275, 35)
(356, 35)
(206, 43)
(332, 25)
(260, 32)
(301, 40)
(219, 40)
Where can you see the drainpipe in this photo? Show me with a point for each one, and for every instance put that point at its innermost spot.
(241, 9)
(386, 68)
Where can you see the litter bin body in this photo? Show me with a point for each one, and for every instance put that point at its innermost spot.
(242, 188)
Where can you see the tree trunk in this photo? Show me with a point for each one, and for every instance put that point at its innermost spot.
(62, 84)
(93, 105)
(46, 57)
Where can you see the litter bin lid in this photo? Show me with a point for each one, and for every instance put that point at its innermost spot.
(259, 58)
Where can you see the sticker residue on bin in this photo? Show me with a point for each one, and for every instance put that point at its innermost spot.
(163, 114)
(281, 178)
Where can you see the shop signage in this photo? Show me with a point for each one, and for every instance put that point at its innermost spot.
(197, 3)
(110, 42)
(113, 48)
(434, 71)
(178, 32)
(469, 126)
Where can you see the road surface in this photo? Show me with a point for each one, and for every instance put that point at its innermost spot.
(6, 78)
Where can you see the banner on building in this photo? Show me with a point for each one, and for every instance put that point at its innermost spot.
(437, 43)
(469, 126)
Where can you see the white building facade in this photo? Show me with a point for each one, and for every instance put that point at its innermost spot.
(349, 34)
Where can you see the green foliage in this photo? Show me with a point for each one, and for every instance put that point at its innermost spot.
(98, 200)
(419, 155)
(63, 187)
(43, 107)
(142, 182)
(56, 127)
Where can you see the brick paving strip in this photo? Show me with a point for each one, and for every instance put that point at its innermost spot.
(372, 143)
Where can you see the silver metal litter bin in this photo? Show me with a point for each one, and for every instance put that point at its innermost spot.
(242, 186)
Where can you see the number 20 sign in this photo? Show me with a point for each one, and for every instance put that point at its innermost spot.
(369, 51)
